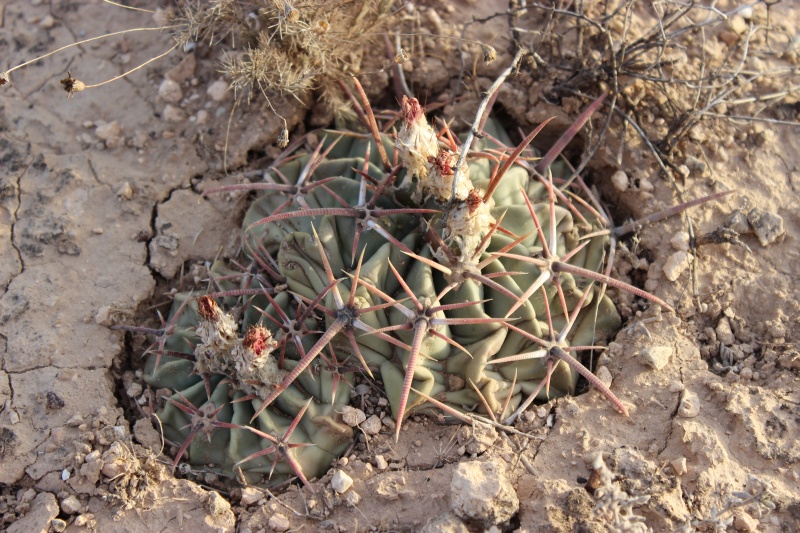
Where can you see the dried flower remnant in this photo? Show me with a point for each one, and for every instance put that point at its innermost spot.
(72, 85)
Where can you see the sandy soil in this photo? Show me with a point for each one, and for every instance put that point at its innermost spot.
(100, 208)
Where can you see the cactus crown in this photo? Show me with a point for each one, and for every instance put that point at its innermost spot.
(460, 283)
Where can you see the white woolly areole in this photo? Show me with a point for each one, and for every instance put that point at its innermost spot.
(440, 184)
(467, 230)
(221, 351)
(416, 143)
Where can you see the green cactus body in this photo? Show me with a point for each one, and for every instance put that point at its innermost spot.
(452, 371)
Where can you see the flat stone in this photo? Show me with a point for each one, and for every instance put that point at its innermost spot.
(372, 425)
(768, 227)
(352, 416)
(217, 505)
(724, 332)
(44, 509)
(250, 496)
(676, 264)
(482, 494)
(656, 356)
(279, 523)
(71, 505)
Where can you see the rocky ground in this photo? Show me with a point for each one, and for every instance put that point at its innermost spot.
(101, 214)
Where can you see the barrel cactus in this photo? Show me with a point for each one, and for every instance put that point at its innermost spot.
(473, 285)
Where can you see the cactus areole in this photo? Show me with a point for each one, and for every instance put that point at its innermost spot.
(469, 285)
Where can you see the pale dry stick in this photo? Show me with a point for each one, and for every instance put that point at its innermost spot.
(469, 418)
(70, 83)
(473, 131)
(129, 7)
(5, 74)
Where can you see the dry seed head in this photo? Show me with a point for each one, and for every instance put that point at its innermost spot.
(72, 85)
(3, 78)
(489, 53)
(283, 137)
(321, 26)
(401, 57)
(208, 309)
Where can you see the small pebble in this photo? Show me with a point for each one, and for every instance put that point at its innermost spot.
(352, 498)
(737, 24)
(768, 227)
(341, 482)
(724, 332)
(58, 525)
(620, 180)
(352, 416)
(71, 505)
(690, 405)
(656, 356)
(174, 114)
(680, 241)
(170, 91)
(218, 90)
(679, 465)
(372, 425)
(381, 463)
(677, 264)
(250, 495)
(125, 191)
(695, 165)
(279, 523)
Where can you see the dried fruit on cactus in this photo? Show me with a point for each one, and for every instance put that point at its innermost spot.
(472, 285)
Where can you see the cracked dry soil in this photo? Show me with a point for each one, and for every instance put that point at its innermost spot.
(101, 209)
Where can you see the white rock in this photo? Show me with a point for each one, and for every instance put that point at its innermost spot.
(352, 416)
(125, 191)
(737, 23)
(620, 180)
(279, 523)
(372, 425)
(768, 227)
(170, 91)
(656, 356)
(676, 264)
(744, 522)
(680, 241)
(481, 494)
(352, 498)
(381, 463)
(174, 114)
(690, 405)
(250, 496)
(724, 332)
(218, 90)
(679, 465)
(71, 505)
(341, 482)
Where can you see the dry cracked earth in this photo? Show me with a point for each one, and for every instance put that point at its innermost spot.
(101, 211)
